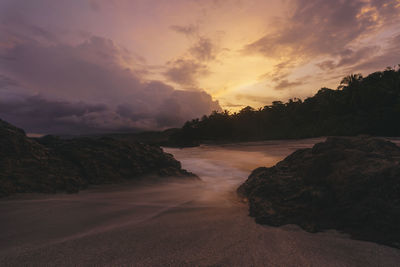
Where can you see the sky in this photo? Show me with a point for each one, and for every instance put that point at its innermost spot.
(91, 66)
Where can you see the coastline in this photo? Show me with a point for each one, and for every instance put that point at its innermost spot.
(116, 228)
(185, 223)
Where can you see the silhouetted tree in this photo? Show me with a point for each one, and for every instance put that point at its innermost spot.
(360, 105)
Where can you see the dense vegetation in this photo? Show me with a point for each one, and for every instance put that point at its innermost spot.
(360, 105)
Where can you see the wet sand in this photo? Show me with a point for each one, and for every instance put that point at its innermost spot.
(172, 224)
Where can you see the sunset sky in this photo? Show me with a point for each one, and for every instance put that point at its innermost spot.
(116, 65)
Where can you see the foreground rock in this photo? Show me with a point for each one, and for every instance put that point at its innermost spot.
(351, 184)
(51, 164)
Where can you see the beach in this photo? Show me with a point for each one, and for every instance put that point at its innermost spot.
(173, 223)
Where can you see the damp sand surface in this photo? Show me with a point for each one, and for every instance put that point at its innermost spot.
(174, 223)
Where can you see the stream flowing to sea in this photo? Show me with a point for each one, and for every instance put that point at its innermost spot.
(224, 167)
(179, 223)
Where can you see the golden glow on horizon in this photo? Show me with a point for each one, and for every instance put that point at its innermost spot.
(232, 76)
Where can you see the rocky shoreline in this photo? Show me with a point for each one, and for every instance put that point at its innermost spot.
(351, 184)
(50, 164)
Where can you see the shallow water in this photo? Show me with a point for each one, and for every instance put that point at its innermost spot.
(174, 223)
(224, 167)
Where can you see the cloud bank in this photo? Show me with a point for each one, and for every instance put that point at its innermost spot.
(87, 88)
(260, 49)
(344, 36)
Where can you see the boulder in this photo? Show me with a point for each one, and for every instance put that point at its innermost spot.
(51, 164)
(351, 184)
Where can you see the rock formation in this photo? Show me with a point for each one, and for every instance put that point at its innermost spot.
(351, 184)
(51, 164)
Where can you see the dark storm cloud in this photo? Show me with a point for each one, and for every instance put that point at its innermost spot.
(321, 27)
(6, 82)
(86, 71)
(37, 114)
(183, 104)
(85, 88)
(15, 28)
(185, 72)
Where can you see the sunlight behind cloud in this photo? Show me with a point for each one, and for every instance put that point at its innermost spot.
(237, 52)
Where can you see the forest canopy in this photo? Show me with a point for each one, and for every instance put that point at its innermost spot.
(360, 105)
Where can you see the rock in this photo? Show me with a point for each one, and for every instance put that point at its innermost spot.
(51, 164)
(27, 166)
(351, 184)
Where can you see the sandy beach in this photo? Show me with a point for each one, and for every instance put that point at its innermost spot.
(171, 224)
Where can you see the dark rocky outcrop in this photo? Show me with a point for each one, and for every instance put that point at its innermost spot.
(351, 184)
(51, 164)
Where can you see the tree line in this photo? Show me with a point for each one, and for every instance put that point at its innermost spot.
(360, 105)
